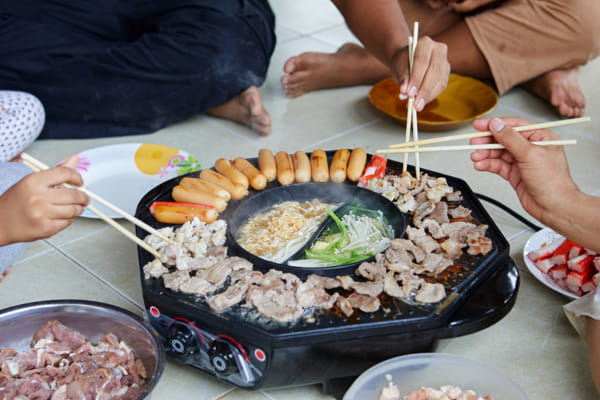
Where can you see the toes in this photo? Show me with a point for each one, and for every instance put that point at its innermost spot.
(290, 65)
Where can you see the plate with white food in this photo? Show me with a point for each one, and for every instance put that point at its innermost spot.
(122, 173)
(561, 264)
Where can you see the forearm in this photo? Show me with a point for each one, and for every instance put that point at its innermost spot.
(379, 24)
(578, 218)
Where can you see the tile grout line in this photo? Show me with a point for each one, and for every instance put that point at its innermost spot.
(103, 281)
(343, 133)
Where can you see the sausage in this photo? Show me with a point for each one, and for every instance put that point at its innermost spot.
(356, 164)
(256, 178)
(224, 166)
(206, 186)
(236, 190)
(178, 214)
(285, 168)
(318, 166)
(301, 167)
(339, 164)
(267, 164)
(186, 194)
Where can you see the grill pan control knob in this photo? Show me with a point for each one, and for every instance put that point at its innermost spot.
(222, 356)
(182, 340)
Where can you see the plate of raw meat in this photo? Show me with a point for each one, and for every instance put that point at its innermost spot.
(562, 264)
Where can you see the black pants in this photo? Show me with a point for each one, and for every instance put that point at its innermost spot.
(122, 67)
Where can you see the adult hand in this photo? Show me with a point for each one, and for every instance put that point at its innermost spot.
(465, 6)
(430, 71)
(539, 174)
(37, 206)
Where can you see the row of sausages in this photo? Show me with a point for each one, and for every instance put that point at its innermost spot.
(208, 195)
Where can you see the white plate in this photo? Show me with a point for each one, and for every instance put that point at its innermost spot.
(123, 173)
(535, 242)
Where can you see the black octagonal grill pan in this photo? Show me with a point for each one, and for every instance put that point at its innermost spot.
(245, 349)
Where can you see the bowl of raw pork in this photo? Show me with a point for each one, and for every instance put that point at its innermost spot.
(61, 348)
(433, 376)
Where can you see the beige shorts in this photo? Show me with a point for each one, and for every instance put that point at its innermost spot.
(522, 39)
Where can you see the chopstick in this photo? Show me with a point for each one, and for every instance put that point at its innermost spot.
(105, 217)
(411, 113)
(543, 125)
(489, 146)
(31, 161)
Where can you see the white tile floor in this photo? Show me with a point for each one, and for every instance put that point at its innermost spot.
(534, 344)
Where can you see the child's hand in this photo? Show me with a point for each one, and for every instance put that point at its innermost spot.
(37, 206)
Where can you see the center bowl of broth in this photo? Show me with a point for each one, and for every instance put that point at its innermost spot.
(320, 196)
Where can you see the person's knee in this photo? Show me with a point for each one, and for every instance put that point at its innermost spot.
(588, 14)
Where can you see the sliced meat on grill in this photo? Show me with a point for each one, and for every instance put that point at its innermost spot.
(458, 229)
(398, 255)
(454, 196)
(437, 188)
(478, 244)
(323, 281)
(434, 263)
(345, 281)
(459, 212)
(371, 271)
(344, 306)
(430, 293)
(364, 302)
(433, 227)
(422, 183)
(154, 269)
(410, 283)
(174, 280)
(278, 304)
(171, 253)
(369, 288)
(453, 247)
(217, 251)
(237, 263)
(309, 296)
(407, 245)
(419, 237)
(391, 286)
(440, 213)
(406, 203)
(422, 211)
(198, 286)
(233, 295)
(217, 274)
(203, 262)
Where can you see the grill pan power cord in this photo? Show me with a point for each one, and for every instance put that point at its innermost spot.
(509, 211)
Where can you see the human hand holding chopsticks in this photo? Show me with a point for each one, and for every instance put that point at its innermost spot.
(36, 207)
(539, 174)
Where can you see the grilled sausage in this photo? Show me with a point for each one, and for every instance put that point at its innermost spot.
(206, 186)
(186, 194)
(301, 167)
(178, 214)
(319, 167)
(224, 166)
(236, 190)
(356, 164)
(285, 168)
(339, 164)
(267, 164)
(257, 180)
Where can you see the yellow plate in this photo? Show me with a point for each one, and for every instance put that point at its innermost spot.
(464, 100)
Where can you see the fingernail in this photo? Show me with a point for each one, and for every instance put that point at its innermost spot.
(420, 104)
(496, 124)
(413, 91)
(402, 96)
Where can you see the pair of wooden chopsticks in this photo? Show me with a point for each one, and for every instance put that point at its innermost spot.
(411, 113)
(411, 147)
(37, 165)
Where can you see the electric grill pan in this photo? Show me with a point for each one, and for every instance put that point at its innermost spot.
(250, 351)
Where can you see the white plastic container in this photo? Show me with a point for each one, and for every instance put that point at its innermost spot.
(411, 372)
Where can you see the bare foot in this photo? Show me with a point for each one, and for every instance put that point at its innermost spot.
(561, 88)
(351, 65)
(247, 109)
